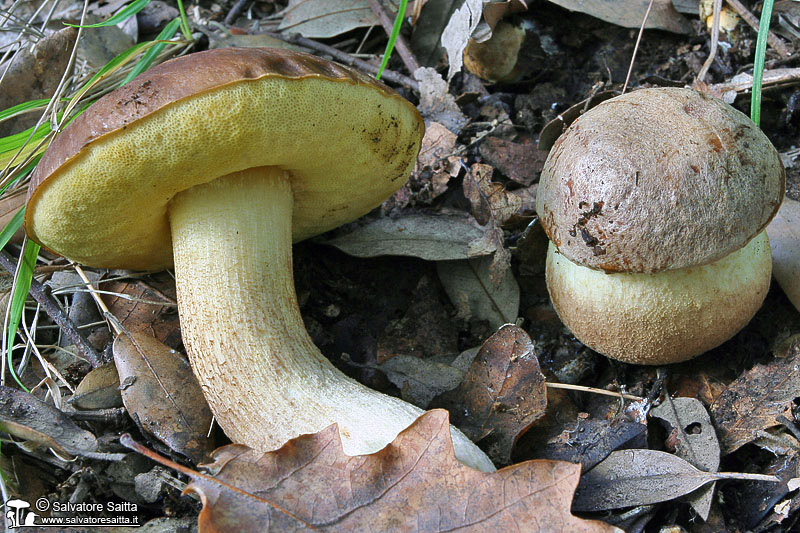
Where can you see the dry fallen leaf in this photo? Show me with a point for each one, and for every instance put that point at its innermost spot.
(139, 307)
(99, 389)
(458, 31)
(521, 162)
(26, 417)
(502, 394)
(34, 73)
(436, 104)
(630, 13)
(414, 484)
(784, 238)
(472, 291)
(641, 477)
(161, 393)
(756, 399)
(329, 18)
(420, 380)
(433, 238)
(489, 199)
(695, 441)
(437, 156)
(10, 203)
(587, 441)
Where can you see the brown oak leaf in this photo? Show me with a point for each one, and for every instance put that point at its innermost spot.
(414, 484)
(756, 399)
(502, 395)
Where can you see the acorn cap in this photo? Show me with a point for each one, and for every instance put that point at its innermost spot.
(658, 179)
(100, 194)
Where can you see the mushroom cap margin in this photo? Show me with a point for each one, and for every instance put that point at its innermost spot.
(100, 194)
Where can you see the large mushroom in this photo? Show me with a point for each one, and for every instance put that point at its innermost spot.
(655, 204)
(220, 160)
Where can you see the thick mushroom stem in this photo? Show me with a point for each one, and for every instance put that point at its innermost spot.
(264, 378)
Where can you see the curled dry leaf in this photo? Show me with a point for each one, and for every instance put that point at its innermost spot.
(437, 161)
(458, 31)
(435, 101)
(755, 400)
(26, 417)
(502, 395)
(160, 391)
(489, 199)
(414, 484)
(784, 238)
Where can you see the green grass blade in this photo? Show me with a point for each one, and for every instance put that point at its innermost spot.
(22, 284)
(11, 228)
(758, 63)
(132, 9)
(17, 140)
(185, 29)
(398, 22)
(150, 56)
(24, 106)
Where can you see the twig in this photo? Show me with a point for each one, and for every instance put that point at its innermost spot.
(636, 46)
(773, 40)
(97, 300)
(594, 390)
(235, 11)
(114, 415)
(400, 45)
(346, 58)
(41, 294)
(712, 53)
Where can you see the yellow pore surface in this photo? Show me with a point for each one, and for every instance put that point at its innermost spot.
(661, 318)
(347, 148)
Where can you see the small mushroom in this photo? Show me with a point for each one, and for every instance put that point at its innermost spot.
(222, 159)
(655, 203)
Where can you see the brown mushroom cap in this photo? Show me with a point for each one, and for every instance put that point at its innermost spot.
(658, 179)
(100, 193)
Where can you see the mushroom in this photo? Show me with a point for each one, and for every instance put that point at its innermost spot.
(220, 160)
(655, 203)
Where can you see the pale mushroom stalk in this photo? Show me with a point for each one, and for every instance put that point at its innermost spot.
(232, 242)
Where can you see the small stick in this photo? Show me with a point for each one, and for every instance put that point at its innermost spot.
(42, 295)
(773, 40)
(347, 59)
(235, 11)
(400, 45)
(594, 390)
(96, 297)
(636, 46)
(42, 269)
(712, 53)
